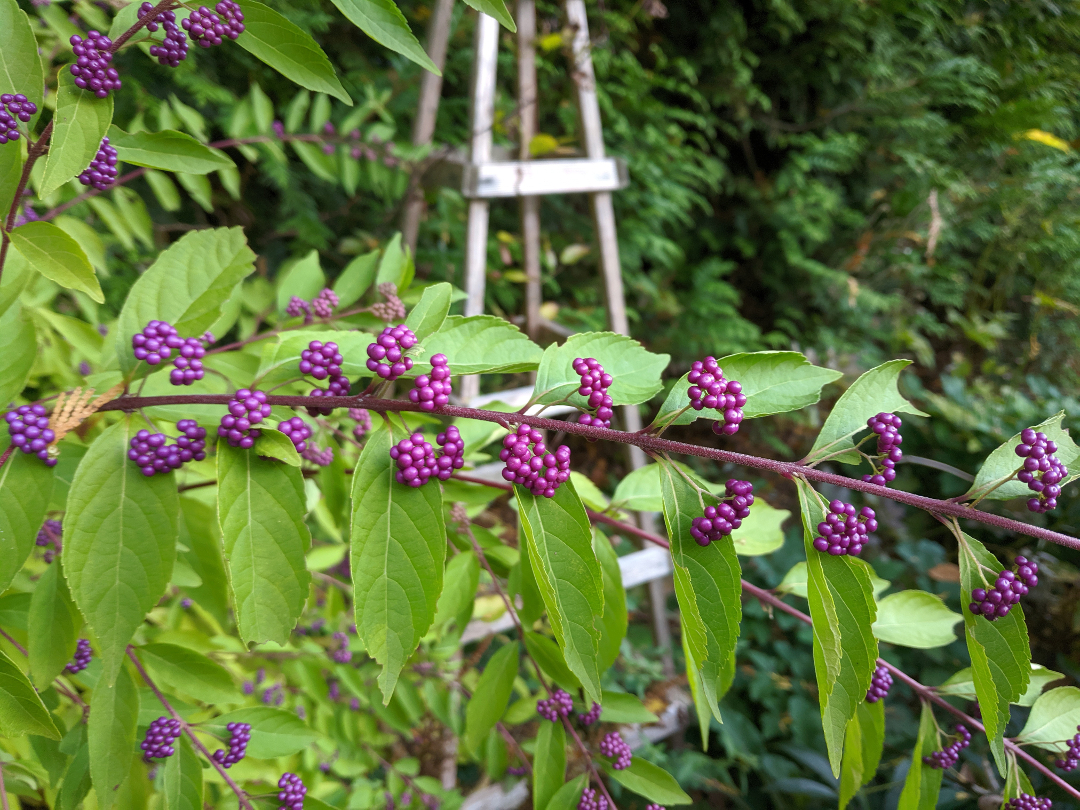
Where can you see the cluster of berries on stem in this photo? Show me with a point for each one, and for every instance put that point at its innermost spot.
(152, 452)
(92, 69)
(239, 737)
(559, 704)
(386, 356)
(14, 107)
(1072, 756)
(845, 529)
(392, 309)
(887, 427)
(529, 463)
(614, 746)
(880, 683)
(363, 422)
(158, 340)
(591, 799)
(101, 173)
(728, 515)
(591, 716)
(207, 28)
(710, 389)
(292, 792)
(947, 757)
(595, 383)
(48, 537)
(246, 409)
(298, 432)
(321, 306)
(1025, 801)
(28, 426)
(996, 602)
(160, 736)
(417, 461)
(342, 655)
(1042, 471)
(81, 661)
(173, 50)
(433, 390)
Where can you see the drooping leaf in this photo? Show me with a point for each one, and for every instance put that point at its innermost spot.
(569, 795)
(11, 166)
(496, 9)
(189, 672)
(1003, 462)
(398, 554)
(614, 620)
(874, 392)
(25, 489)
(650, 781)
(261, 509)
(841, 597)
(274, 732)
(201, 535)
(915, 619)
(862, 749)
(491, 696)
(547, 654)
(18, 348)
(708, 584)
(20, 65)
(481, 344)
(635, 372)
(456, 601)
(428, 315)
(549, 763)
(923, 783)
(356, 278)
(568, 574)
(114, 715)
(1053, 719)
(276, 445)
(183, 778)
(383, 22)
(57, 256)
(1000, 651)
(962, 684)
(76, 782)
(304, 278)
(80, 122)
(186, 286)
(702, 707)
(622, 707)
(285, 47)
(21, 710)
(168, 150)
(119, 541)
(53, 628)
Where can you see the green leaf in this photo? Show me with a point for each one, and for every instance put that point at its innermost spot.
(568, 574)
(547, 654)
(491, 695)
(568, 796)
(622, 707)
(274, 732)
(21, 710)
(201, 535)
(80, 122)
(199, 189)
(114, 716)
(76, 782)
(702, 708)
(25, 489)
(188, 672)
(11, 165)
(394, 264)
(186, 286)
(915, 619)
(794, 582)
(549, 763)
(261, 509)
(708, 584)
(841, 596)
(356, 278)
(456, 601)
(635, 372)
(773, 382)
(614, 620)
(167, 150)
(183, 786)
(120, 534)
(20, 65)
(863, 746)
(923, 783)
(276, 445)
(318, 162)
(1003, 462)
(165, 191)
(398, 554)
(873, 393)
(762, 531)
(383, 22)
(428, 315)
(481, 344)
(285, 47)
(650, 781)
(281, 356)
(496, 9)
(1053, 720)
(57, 256)
(53, 628)
(999, 650)
(962, 684)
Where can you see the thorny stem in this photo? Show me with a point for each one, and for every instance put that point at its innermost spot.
(240, 794)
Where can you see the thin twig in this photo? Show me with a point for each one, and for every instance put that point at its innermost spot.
(3, 790)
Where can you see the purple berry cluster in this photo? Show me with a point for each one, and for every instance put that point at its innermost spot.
(28, 426)
(386, 356)
(81, 661)
(392, 309)
(246, 408)
(529, 463)
(591, 800)
(321, 458)
(298, 432)
(292, 792)
(239, 737)
(152, 452)
(845, 530)
(188, 367)
(517, 770)
(274, 696)
(321, 360)
(724, 518)
(595, 383)
(996, 602)
(155, 342)
(947, 757)
(614, 746)
(560, 704)
(363, 422)
(433, 390)
(342, 654)
(415, 459)
(101, 173)
(452, 456)
(48, 537)
(1042, 471)
(1025, 801)
(207, 28)
(1072, 756)
(160, 737)
(192, 440)
(591, 716)
(710, 389)
(14, 108)
(324, 304)
(879, 685)
(92, 70)
(173, 50)
(297, 306)
(887, 427)
(336, 387)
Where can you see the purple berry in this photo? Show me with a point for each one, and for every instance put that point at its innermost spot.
(298, 306)
(342, 654)
(160, 737)
(595, 383)
(1072, 756)
(28, 426)
(298, 432)
(887, 427)
(722, 519)
(156, 342)
(529, 463)
(614, 746)
(292, 792)
(845, 530)
(321, 360)
(415, 459)
(325, 302)
(452, 456)
(101, 173)
(879, 685)
(173, 50)
(590, 716)
(246, 409)
(1042, 471)
(239, 737)
(322, 458)
(560, 704)
(206, 28)
(192, 440)
(1026, 801)
(709, 389)
(591, 800)
(152, 453)
(433, 390)
(188, 362)
(14, 108)
(947, 757)
(517, 770)
(386, 356)
(363, 422)
(48, 537)
(996, 602)
(92, 70)
(81, 661)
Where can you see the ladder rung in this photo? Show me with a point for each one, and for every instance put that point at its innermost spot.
(527, 178)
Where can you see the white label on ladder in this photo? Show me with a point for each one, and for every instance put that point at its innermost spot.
(537, 177)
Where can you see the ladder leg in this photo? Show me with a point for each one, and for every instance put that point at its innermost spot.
(530, 206)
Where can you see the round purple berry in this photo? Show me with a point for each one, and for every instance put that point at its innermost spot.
(321, 360)
(152, 453)
(591, 716)
(595, 383)
(298, 307)
(452, 456)
(1026, 801)
(322, 458)
(188, 367)
(887, 427)
(1042, 471)
(49, 538)
(879, 685)
(292, 792)
(160, 737)
(14, 107)
(724, 518)
(433, 390)
(101, 173)
(529, 463)
(239, 737)
(246, 409)
(995, 602)
(28, 426)
(298, 432)
(92, 70)
(206, 28)
(386, 356)
(1072, 756)
(845, 529)
(560, 704)
(710, 389)
(363, 422)
(947, 757)
(192, 440)
(81, 661)
(156, 342)
(415, 459)
(614, 746)
(325, 302)
(592, 800)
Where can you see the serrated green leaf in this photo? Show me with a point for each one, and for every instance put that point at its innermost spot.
(1003, 462)
(708, 584)
(962, 684)
(622, 707)
(168, 150)
(53, 627)
(430, 311)
(491, 696)
(568, 796)
(481, 344)
(383, 22)
(25, 489)
(201, 535)
(549, 763)
(635, 372)
(841, 596)
(1053, 720)
(274, 732)
(915, 619)
(874, 392)
(276, 445)
(496, 9)
(261, 509)
(189, 672)
(702, 708)
(114, 715)
(183, 788)
(923, 783)
(21, 710)
(863, 746)
(614, 620)
(20, 65)
(398, 554)
(563, 560)
(547, 654)
(186, 286)
(456, 601)
(1000, 651)
(285, 47)
(76, 782)
(120, 534)
(356, 278)
(650, 781)
(80, 122)
(57, 256)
